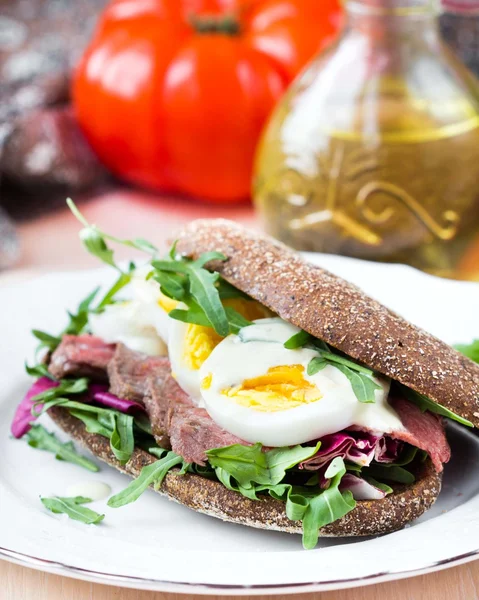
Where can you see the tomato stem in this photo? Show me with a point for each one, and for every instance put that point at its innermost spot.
(226, 25)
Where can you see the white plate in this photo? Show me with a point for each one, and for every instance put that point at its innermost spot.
(156, 544)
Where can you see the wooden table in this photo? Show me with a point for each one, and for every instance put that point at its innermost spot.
(51, 243)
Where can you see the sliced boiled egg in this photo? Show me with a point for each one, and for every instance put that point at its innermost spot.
(190, 345)
(260, 391)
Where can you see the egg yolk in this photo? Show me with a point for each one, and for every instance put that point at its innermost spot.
(281, 388)
(200, 341)
(167, 304)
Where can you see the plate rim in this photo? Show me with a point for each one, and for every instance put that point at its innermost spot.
(203, 589)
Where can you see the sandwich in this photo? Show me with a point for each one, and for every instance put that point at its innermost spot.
(239, 380)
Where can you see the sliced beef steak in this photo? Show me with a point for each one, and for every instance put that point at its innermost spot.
(163, 395)
(192, 431)
(81, 356)
(189, 429)
(424, 430)
(130, 372)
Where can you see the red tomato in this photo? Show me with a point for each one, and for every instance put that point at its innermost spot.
(173, 94)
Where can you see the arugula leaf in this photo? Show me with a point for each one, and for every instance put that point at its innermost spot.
(425, 403)
(56, 394)
(206, 257)
(122, 441)
(95, 243)
(298, 340)
(249, 464)
(172, 285)
(469, 350)
(39, 370)
(363, 386)
(327, 507)
(381, 486)
(93, 424)
(194, 314)
(123, 280)
(46, 340)
(79, 320)
(150, 475)
(39, 437)
(112, 424)
(227, 291)
(145, 245)
(73, 508)
(94, 239)
(236, 321)
(202, 288)
(316, 364)
(390, 472)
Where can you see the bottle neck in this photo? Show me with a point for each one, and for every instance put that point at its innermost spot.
(388, 19)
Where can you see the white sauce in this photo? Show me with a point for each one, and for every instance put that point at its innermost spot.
(258, 348)
(96, 490)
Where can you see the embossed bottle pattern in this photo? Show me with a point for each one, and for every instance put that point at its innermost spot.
(374, 152)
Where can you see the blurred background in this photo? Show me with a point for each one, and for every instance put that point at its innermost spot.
(344, 127)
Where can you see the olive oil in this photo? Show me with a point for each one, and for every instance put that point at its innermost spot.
(374, 152)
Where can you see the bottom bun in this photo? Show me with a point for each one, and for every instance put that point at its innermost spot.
(370, 517)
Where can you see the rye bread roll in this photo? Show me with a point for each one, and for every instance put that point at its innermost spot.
(337, 312)
(369, 517)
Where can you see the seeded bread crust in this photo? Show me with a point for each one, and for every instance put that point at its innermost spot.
(338, 312)
(211, 498)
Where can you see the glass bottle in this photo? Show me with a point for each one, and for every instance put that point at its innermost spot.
(374, 150)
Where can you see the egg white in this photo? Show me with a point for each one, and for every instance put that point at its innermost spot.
(139, 323)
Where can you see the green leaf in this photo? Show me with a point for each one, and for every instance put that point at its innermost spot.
(92, 424)
(144, 245)
(327, 507)
(206, 257)
(194, 315)
(114, 425)
(203, 290)
(390, 472)
(227, 291)
(39, 370)
(172, 252)
(236, 321)
(150, 475)
(123, 280)
(79, 320)
(470, 350)
(249, 464)
(94, 239)
(63, 451)
(122, 441)
(425, 403)
(95, 243)
(66, 387)
(39, 437)
(171, 266)
(298, 340)
(363, 386)
(73, 508)
(381, 486)
(315, 365)
(47, 340)
(341, 360)
(171, 284)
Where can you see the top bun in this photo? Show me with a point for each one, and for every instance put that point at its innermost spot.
(337, 312)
